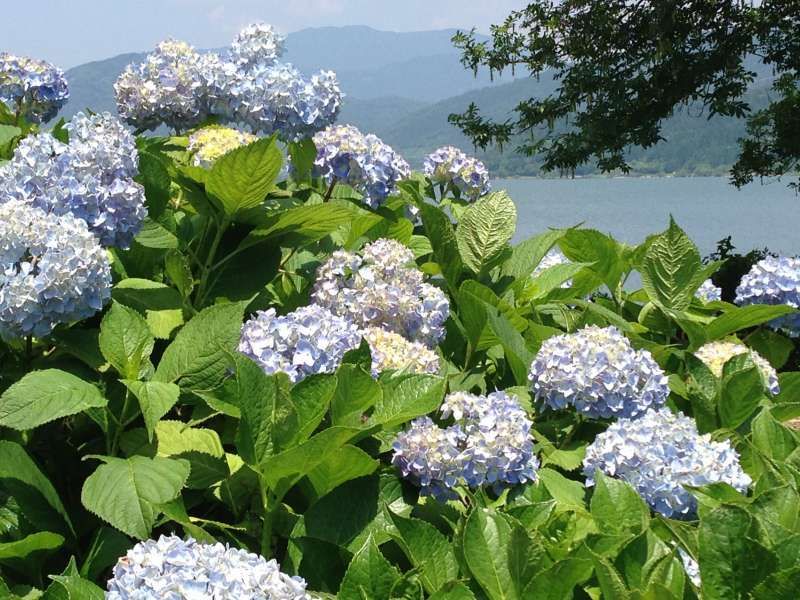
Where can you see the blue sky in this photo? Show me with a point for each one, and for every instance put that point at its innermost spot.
(71, 32)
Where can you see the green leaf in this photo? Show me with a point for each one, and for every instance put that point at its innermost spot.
(743, 317)
(107, 546)
(603, 252)
(370, 576)
(782, 585)
(405, 397)
(127, 492)
(289, 466)
(528, 254)
(44, 396)
(242, 178)
(356, 392)
(155, 399)
(153, 175)
(125, 340)
(43, 541)
(439, 231)
(453, 591)
(311, 398)
(485, 229)
(730, 563)
(303, 224)
(567, 493)
(346, 463)
(486, 542)
(611, 584)
(154, 235)
(776, 348)
(428, 550)
(616, 507)
(517, 354)
(161, 305)
(177, 268)
(199, 355)
(669, 268)
(302, 154)
(202, 448)
(742, 391)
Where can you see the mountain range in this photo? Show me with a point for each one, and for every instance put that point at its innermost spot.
(403, 85)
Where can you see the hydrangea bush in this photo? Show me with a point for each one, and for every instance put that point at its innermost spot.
(307, 355)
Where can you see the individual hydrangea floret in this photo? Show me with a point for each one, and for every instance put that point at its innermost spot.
(708, 292)
(90, 178)
(774, 280)
(488, 444)
(364, 162)
(277, 98)
(52, 271)
(393, 352)
(34, 88)
(597, 371)
(309, 340)
(716, 354)
(166, 87)
(450, 166)
(210, 143)
(170, 568)
(658, 454)
(382, 287)
(257, 43)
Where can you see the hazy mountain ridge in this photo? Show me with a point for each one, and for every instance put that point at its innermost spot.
(403, 86)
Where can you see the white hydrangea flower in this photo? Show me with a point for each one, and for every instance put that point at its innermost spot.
(211, 143)
(392, 352)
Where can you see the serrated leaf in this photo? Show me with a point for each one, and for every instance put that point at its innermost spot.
(428, 550)
(155, 399)
(44, 396)
(161, 305)
(369, 575)
(743, 317)
(199, 355)
(486, 541)
(127, 492)
(154, 235)
(346, 463)
(485, 229)
(42, 541)
(669, 268)
(201, 447)
(439, 231)
(242, 178)
(616, 507)
(405, 397)
(125, 340)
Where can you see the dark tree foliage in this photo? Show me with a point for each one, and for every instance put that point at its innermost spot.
(624, 66)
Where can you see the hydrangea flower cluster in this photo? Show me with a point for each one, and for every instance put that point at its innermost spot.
(90, 178)
(35, 88)
(172, 569)
(382, 287)
(708, 292)
(52, 271)
(393, 352)
(257, 43)
(309, 340)
(210, 143)
(450, 166)
(716, 354)
(489, 444)
(553, 258)
(597, 371)
(180, 87)
(659, 453)
(774, 280)
(363, 162)
(277, 98)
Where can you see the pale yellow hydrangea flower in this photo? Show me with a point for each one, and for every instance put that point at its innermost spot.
(715, 354)
(210, 143)
(393, 352)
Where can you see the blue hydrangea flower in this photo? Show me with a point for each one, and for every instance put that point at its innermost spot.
(450, 166)
(363, 162)
(489, 444)
(708, 292)
(172, 569)
(658, 454)
(392, 352)
(691, 567)
(91, 178)
(597, 371)
(167, 87)
(716, 354)
(553, 258)
(34, 88)
(383, 288)
(277, 98)
(52, 271)
(307, 341)
(257, 44)
(774, 280)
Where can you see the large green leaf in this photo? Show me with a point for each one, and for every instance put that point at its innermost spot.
(428, 550)
(405, 397)
(346, 463)
(742, 391)
(202, 448)
(603, 252)
(369, 575)
(155, 398)
(42, 541)
(743, 317)
(528, 254)
(199, 355)
(302, 224)
(127, 492)
(439, 231)
(485, 229)
(616, 507)
(242, 178)
(43, 396)
(161, 305)
(356, 392)
(517, 354)
(669, 268)
(125, 340)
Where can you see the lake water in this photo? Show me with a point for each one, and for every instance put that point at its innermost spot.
(630, 209)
